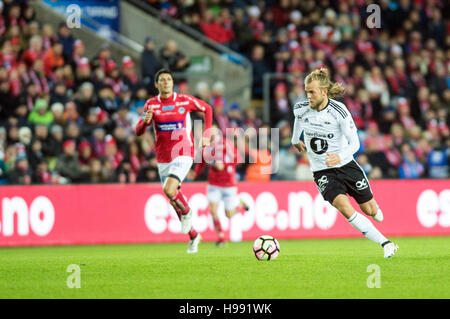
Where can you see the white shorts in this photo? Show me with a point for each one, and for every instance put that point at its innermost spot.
(178, 168)
(228, 194)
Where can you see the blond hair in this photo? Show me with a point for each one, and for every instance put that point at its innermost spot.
(323, 76)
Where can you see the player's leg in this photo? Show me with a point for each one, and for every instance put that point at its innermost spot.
(177, 172)
(358, 187)
(217, 225)
(371, 208)
(357, 220)
(172, 174)
(233, 204)
(214, 197)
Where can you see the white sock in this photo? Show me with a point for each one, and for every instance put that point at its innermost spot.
(378, 216)
(364, 225)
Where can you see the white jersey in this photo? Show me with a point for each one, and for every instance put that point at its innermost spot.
(331, 130)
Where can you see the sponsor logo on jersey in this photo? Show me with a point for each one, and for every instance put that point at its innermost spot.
(315, 134)
(154, 106)
(362, 184)
(168, 107)
(170, 126)
(322, 183)
(182, 103)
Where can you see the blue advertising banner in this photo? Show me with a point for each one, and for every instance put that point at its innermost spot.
(99, 15)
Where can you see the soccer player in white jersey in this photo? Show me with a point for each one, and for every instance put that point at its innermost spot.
(330, 139)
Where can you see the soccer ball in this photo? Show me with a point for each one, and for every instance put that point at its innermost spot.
(266, 248)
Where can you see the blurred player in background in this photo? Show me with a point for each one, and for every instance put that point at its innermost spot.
(222, 157)
(331, 139)
(170, 114)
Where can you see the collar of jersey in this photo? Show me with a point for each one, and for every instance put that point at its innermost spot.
(325, 106)
(173, 97)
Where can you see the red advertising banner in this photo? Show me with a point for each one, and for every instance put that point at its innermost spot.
(137, 213)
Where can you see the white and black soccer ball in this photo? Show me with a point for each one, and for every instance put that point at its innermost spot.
(266, 248)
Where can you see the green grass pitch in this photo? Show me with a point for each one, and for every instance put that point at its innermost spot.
(319, 268)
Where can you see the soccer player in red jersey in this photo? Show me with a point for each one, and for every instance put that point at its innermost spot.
(222, 157)
(170, 114)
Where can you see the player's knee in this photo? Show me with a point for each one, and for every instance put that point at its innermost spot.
(169, 191)
(369, 209)
(228, 213)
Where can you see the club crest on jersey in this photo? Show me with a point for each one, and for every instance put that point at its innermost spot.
(168, 107)
(181, 110)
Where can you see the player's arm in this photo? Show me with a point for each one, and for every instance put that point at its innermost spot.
(219, 166)
(297, 133)
(201, 106)
(144, 121)
(348, 128)
(198, 169)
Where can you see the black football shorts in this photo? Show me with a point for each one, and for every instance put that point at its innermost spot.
(348, 179)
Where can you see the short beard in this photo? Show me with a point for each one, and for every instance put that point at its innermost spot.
(316, 106)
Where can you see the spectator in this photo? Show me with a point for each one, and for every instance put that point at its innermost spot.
(55, 142)
(42, 175)
(410, 168)
(79, 50)
(149, 64)
(242, 30)
(287, 160)
(83, 73)
(67, 40)
(218, 91)
(40, 114)
(85, 156)
(67, 164)
(73, 132)
(260, 67)
(235, 117)
(438, 161)
(172, 58)
(21, 173)
(130, 78)
(214, 29)
(71, 114)
(85, 99)
(25, 136)
(53, 57)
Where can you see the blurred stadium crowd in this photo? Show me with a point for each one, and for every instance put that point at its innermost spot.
(65, 118)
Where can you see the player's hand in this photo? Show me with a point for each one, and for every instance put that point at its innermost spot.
(206, 141)
(301, 147)
(332, 159)
(147, 116)
(192, 175)
(219, 166)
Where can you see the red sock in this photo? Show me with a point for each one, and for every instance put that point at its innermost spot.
(181, 202)
(217, 225)
(192, 233)
(241, 209)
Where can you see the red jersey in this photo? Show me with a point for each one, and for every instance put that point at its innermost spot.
(229, 156)
(172, 124)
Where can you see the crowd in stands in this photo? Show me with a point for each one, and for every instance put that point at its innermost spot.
(66, 118)
(396, 74)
